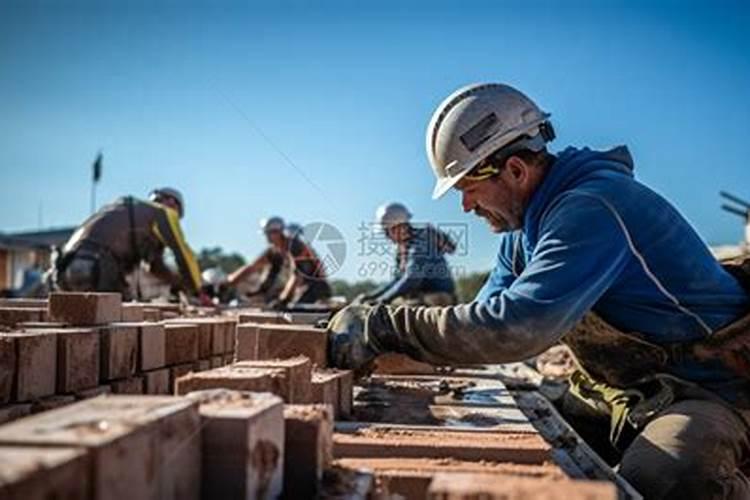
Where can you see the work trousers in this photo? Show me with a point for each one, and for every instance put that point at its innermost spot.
(693, 449)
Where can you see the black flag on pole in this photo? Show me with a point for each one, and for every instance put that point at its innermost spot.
(98, 168)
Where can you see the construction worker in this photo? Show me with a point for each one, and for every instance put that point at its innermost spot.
(421, 274)
(113, 242)
(590, 256)
(307, 280)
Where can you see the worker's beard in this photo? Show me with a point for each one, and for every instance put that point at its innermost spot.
(503, 219)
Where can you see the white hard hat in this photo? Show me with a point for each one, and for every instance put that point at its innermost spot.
(172, 193)
(271, 224)
(392, 214)
(293, 230)
(213, 276)
(476, 121)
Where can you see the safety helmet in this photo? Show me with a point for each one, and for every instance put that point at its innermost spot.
(293, 230)
(392, 214)
(475, 122)
(158, 193)
(271, 224)
(213, 276)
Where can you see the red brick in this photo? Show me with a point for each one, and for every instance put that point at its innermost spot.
(230, 336)
(11, 412)
(341, 396)
(308, 448)
(181, 343)
(36, 364)
(206, 327)
(132, 385)
(401, 364)
(218, 341)
(152, 343)
(238, 379)
(27, 303)
(456, 486)
(297, 384)
(346, 393)
(243, 444)
(156, 382)
(410, 478)
(84, 309)
(281, 341)
(119, 353)
(131, 312)
(151, 315)
(325, 389)
(263, 318)
(7, 368)
(378, 441)
(177, 372)
(130, 440)
(78, 351)
(12, 316)
(28, 472)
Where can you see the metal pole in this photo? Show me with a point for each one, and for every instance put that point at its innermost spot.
(93, 196)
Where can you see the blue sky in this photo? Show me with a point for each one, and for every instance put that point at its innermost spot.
(318, 112)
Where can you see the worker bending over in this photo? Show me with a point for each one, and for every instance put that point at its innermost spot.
(593, 258)
(114, 241)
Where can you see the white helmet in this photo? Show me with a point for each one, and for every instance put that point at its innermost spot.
(392, 214)
(476, 121)
(293, 230)
(158, 193)
(271, 224)
(213, 276)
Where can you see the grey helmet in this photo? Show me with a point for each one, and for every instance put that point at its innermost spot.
(476, 121)
(173, 193)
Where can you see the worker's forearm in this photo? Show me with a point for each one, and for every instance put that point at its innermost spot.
(462, 334)
(241, 273)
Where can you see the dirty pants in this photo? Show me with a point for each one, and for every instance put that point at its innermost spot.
(692, 450)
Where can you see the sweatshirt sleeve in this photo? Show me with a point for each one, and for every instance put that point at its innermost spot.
(502, 275)
(582, 249)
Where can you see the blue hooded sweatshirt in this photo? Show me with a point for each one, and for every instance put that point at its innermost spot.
(423, 268)
(594, 238)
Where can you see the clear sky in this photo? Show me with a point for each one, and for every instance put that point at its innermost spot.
(318, 113)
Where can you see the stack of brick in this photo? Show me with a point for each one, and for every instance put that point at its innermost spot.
(87, 344)
(108, 447)
(291, 379)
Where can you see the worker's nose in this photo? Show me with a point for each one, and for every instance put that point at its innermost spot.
(467, 203)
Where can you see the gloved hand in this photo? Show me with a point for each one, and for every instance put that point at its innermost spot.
(358, 334)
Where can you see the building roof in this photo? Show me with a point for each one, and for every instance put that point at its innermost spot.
(36, 239)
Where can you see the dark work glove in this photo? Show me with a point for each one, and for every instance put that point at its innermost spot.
(358, 334)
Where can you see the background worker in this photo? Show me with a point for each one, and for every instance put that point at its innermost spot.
(307, 280)
(114, 241)
(592, 257)
(421, 274)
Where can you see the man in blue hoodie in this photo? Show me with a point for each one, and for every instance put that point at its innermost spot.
(421, 273)
(590, 257)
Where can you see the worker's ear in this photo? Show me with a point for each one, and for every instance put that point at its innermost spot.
(517, 170)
